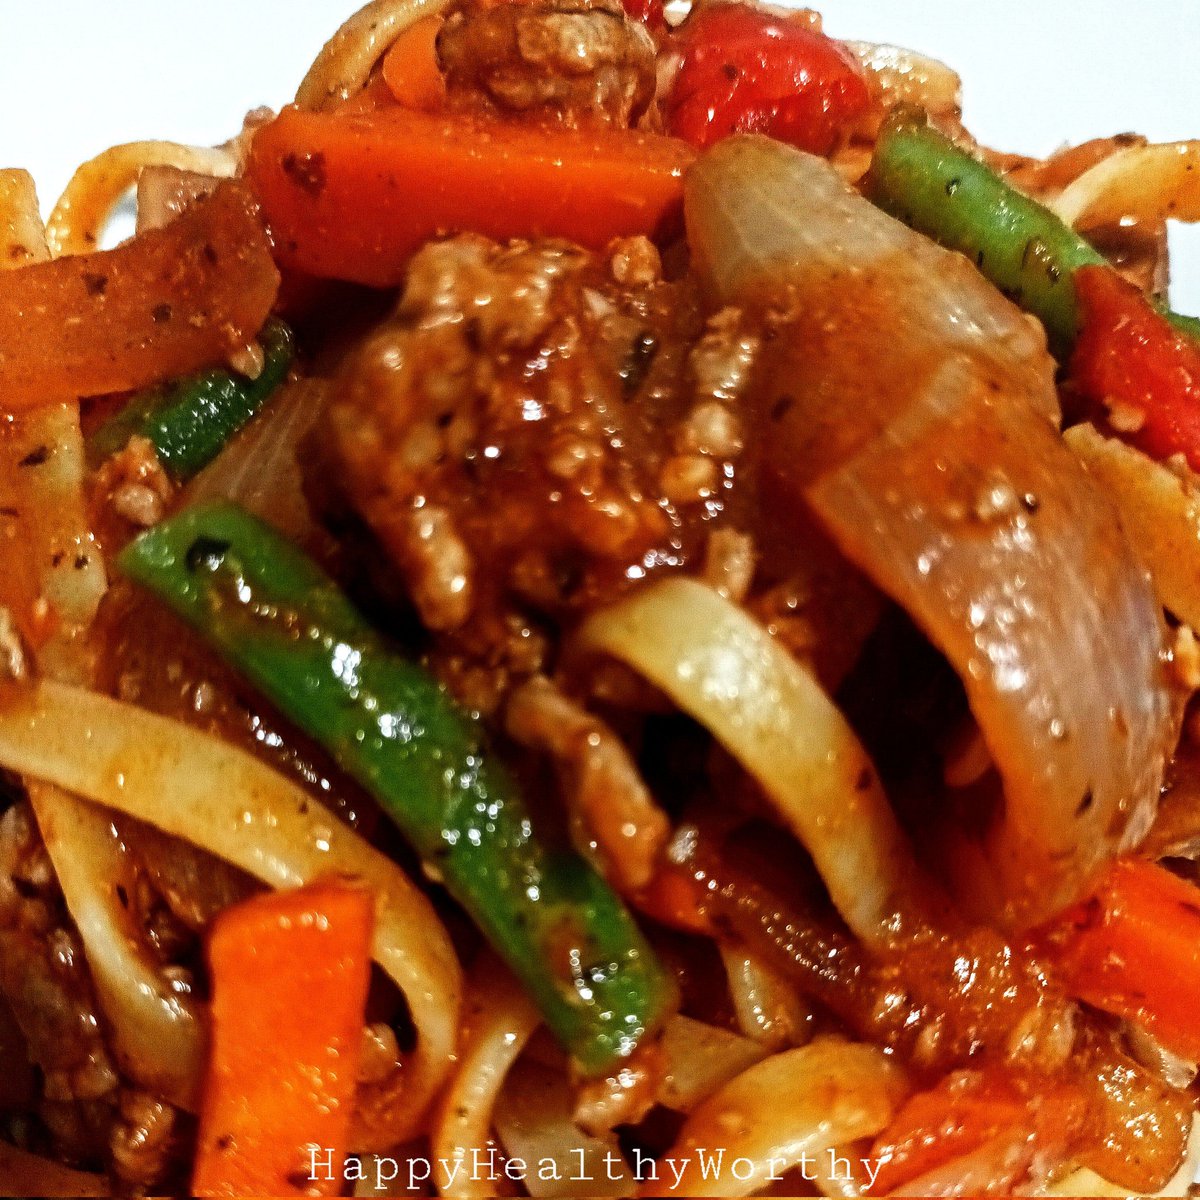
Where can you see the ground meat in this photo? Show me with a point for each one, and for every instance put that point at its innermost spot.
(45, 981)
(134, 484)
(192, 885)
(142, 1141)
(578, 62)
(88, 1116)
(529, 437)
(603, 788)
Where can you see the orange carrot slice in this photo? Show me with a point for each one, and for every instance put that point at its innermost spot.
(289, 978)
(352, 197)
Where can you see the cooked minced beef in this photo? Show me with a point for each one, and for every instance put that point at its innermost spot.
(44, 979)
(577, 62)
(88, 1114)
(528, 437)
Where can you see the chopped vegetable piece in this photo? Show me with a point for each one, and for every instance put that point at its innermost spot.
(751, 71)
(190, 421)
(1134, 950)
(169, 302)
(651, 13)
(674, 898)
(288, 629)
(920, 176)
(371, 99)
(411, 69)
(1130, 362)
(289, 989)
(1160, 510)
(965, 1113)
(353, 197)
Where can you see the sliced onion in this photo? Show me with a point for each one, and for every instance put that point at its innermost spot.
(22, 234)
(84, 208)
(51, 571)
(1085, 1182)
(906, 77)
(795, 1104)
(1137, 184)
(1160, 509)
(196, 787)
(922, 434)
(158, 1036)
(535, 1123)
(772, 715)
(260, 468)
(345, 62)
(501, 1019)
(164, 192)
(700, 1059)
(767, 1008)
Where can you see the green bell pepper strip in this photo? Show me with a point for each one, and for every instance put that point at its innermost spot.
(925, 180)
(287, 628)
(190, 420)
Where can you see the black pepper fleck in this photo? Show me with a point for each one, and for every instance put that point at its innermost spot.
(306, 171)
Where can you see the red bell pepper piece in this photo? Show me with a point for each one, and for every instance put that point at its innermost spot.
(749, 71)
(1130, 361)
(1134, 950)
(649, 12)
(965, 1112)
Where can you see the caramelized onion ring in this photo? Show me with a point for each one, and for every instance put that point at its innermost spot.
(1138, 183)
(791, 1107)
(724, 669)
(921, 429)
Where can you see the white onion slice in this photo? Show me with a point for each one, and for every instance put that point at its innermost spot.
(78, 219)
(921, 431)
(194, 786)
(799, 1103)
(260, 468)
(158, 1037)
(906, 77)
(1140, 184)
(535, 1123)
(501, 1019)
(700, 1059)
(1160, 509)
(724, 669)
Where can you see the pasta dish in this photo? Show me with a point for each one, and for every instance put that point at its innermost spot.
(602, 605)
